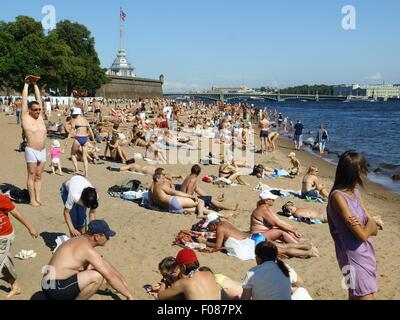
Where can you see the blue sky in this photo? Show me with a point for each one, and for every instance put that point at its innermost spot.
(198, 44)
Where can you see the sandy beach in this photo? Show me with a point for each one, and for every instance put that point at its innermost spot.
(144, 237)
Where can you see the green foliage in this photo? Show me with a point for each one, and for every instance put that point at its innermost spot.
(306, 89)
(65, 59)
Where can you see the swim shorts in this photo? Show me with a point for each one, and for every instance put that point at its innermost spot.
(175, 206)
(61, 289)
(258, 238)
(311, 193)
(263, 134)
(207, 200)
(35, 156)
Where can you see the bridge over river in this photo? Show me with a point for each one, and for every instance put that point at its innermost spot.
(216, 96)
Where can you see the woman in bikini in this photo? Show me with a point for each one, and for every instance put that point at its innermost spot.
(114, 145)
(290, 209)
(138, 137)
(80, 131)
(231, 172)
(153, 152)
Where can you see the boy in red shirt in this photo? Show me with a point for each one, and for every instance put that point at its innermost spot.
(7, 268)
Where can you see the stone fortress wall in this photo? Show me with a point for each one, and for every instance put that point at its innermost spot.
(127, 87)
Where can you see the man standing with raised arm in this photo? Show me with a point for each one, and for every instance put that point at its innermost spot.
(35, 132)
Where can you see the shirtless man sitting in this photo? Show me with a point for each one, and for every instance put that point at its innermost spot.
(163, 196)
(311, 187)
(35, 132)
(226, 230)
(190, 186)
(192, 283)
(76, 271)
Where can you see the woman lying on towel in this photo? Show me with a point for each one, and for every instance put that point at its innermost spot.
(289, 209)
(228, 233)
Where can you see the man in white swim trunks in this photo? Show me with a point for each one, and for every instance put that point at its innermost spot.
(34, 130)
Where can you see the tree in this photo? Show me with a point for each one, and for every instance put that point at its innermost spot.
(86, 63)
(65, 59)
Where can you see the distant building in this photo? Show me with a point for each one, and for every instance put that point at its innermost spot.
(370, 91)
(383, 91)
(241, 89)
(349, 90)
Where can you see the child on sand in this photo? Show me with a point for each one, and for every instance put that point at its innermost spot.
(55, 153)
(7, 268)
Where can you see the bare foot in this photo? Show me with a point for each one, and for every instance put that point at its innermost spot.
(236, 207)
(34, 204)
(14, 292)
(315, 252)
(40, 203)
(60, 174)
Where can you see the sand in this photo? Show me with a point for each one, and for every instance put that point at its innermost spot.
(144, 237)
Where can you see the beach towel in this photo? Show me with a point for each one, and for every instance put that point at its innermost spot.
(242, 249)
(59, 241)
(188, 239)
(310, 199)
(279, 173)
(223, 182)
(133, 195)
(5, 257)
(300, 219)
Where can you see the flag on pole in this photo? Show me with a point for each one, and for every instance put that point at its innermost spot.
(122, 15)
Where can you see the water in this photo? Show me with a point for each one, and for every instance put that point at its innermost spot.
(370, 128)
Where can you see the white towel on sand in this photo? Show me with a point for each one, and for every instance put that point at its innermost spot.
(242, 249)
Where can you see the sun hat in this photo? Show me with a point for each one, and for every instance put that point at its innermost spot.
(55, 144)
(292, 155)
(266, 195)
(210, 218)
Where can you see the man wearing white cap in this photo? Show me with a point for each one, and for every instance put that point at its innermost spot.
(264, 221)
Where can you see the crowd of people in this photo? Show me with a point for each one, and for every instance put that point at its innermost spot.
(76, 270)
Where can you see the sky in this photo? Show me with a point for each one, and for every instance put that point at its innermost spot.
(200, 44)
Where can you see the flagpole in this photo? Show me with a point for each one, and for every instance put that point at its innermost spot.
(120, 27)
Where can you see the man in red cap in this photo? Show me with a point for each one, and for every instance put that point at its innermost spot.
(193, 284)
